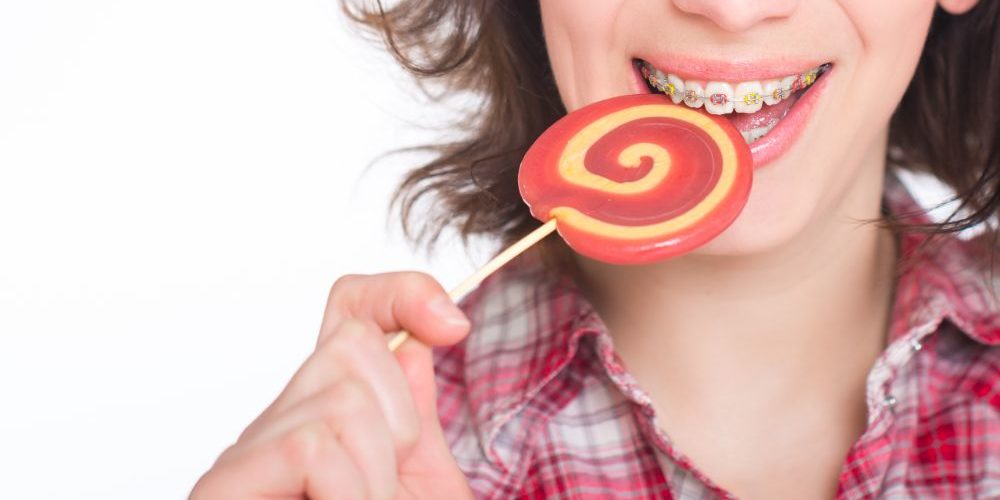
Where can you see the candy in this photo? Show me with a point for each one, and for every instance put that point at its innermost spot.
(637, 179)
(629, 180)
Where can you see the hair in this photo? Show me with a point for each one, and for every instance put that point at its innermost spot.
(946, 123)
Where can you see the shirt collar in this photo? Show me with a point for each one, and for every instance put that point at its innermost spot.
(528, 322)
(940, 278)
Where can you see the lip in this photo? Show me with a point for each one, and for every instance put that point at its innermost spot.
(783, 136)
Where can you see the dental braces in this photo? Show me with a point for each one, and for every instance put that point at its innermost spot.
(691, 98)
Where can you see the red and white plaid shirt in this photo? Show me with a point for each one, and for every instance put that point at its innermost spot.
(535, 403)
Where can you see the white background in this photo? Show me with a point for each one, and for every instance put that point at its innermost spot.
(180, 183)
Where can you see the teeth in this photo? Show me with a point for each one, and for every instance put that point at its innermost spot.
(751, 136)
(750, 98)
(693, 93)
(773, 92)
(786, 85)
(678, 86)
(720, 98)
(661, 79)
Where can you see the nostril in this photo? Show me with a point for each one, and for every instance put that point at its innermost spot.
(737, 15)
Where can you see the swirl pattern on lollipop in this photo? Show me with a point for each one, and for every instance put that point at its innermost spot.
(636, 179)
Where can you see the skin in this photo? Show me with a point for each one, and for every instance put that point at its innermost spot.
(754, 348)
(761, 339)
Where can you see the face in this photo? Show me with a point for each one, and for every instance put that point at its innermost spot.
(821, 156)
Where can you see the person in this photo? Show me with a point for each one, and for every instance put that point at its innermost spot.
(837, 340)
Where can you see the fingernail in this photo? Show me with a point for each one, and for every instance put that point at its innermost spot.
(445, 309)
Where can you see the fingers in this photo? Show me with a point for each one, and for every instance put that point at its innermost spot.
(341, 423)
(355, 351)
(409, 301)
(351, 412)
(307, 461)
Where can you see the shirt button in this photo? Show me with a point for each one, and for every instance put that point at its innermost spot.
(915, 344)
(889, 401)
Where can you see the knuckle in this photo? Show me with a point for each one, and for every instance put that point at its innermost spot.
(407, 433)
(416, 283)
(355, 336)
(345, 283)
(213, 483)
(203, 489)
(344, 398)
(302, 446)
(231, 452)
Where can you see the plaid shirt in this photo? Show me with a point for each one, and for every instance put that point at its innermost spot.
(535, 403)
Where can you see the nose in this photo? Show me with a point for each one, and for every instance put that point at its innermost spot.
(737, 15)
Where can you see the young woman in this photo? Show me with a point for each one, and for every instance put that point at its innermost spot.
(832, 342)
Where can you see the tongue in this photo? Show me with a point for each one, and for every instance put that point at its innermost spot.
(745, 122)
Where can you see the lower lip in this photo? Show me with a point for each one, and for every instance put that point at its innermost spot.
(781, 138)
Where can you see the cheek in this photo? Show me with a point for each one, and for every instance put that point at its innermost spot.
(583, 49)
(892, 36)
(834, 174)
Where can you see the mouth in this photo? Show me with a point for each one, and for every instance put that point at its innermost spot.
(769, 112)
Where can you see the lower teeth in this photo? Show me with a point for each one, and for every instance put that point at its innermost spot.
(752, 135)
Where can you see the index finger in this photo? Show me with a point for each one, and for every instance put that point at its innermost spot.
(410, 301)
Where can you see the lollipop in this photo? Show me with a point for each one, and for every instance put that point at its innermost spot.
(630, 180)
(637, 179)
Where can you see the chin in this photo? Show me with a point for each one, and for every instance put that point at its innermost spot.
(764, 226)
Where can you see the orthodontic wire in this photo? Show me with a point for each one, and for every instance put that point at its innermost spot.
(809, 76)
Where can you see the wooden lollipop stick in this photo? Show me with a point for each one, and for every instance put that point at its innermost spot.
(496, 263)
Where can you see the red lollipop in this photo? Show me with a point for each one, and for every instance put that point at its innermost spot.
(630, 180)
(636, 179)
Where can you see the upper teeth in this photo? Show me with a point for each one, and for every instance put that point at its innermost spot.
(724, 97)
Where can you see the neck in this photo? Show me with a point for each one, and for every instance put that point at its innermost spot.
(806, 318)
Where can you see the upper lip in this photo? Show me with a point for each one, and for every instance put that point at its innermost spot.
(733, 69)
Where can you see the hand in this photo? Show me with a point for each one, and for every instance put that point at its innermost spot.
(355, 421)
